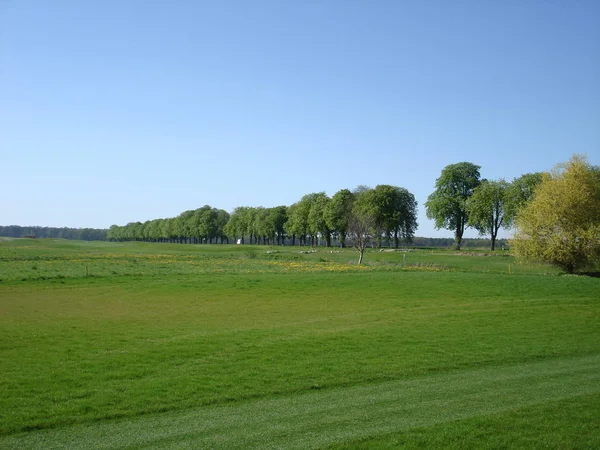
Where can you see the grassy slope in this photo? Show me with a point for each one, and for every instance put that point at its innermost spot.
(79, 350)
(312, 420)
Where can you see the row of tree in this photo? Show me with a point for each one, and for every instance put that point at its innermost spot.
(315, 219)
(86, 234)
(206, 224)
(556, 216)
(98, 234)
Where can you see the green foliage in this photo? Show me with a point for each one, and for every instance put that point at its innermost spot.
(338, 213)
(487, 208)
(561, 224)
(298, 218)
(317, 223)
(362, 226)
(520, 192)
(395, 211)
(447, 205)
(86, 234)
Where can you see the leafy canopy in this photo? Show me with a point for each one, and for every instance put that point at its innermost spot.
(447, 205)
(561, 224)
(487, 208)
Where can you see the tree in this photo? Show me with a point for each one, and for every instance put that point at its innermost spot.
(317, 225)
(182, 224)
(154, 230)
(487, 209)
(380, 203)
(297, 224)
(405, 222)
(395, 211)
(447, 205)
(561, 224)
(520, 192)
(168, 229)
(236, 226)
(338, 213)
(278, 216)
(362, 223)
(222, 219)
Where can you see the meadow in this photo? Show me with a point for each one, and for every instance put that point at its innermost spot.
(137, 345)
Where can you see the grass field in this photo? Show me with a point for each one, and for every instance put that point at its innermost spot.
(108, 345)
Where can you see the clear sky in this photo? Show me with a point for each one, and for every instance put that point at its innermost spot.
(114, 111)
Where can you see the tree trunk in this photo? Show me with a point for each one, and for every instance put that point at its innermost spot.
(457, 240)
(396, 239)
(360, 256)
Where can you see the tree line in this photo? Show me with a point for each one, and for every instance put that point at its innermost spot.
(316, 219)
(85, 234)
(363, 217)
(556, 216)
(101, 234)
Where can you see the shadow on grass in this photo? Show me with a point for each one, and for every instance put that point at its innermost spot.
(591, 274)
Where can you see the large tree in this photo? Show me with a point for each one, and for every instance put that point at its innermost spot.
(406, 217)
(561, 224)
(182, 225)
(520, 192)
(234, 228)
(495, 204)
(222, 219)
(317, 223)
(278, 216)
(487, 209)
(447, 205)
(339, 212)
(395, 211)
(297, 224)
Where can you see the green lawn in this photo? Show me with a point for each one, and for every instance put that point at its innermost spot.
(225, 346)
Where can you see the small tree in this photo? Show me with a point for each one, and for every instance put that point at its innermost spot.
(362, 223)
(561, 224)
(360, 231)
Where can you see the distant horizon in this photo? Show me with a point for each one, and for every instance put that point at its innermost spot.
(451, 237)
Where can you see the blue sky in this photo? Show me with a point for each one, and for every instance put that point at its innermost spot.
(114, 111)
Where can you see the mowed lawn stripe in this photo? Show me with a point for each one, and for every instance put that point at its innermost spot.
(319, 418)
